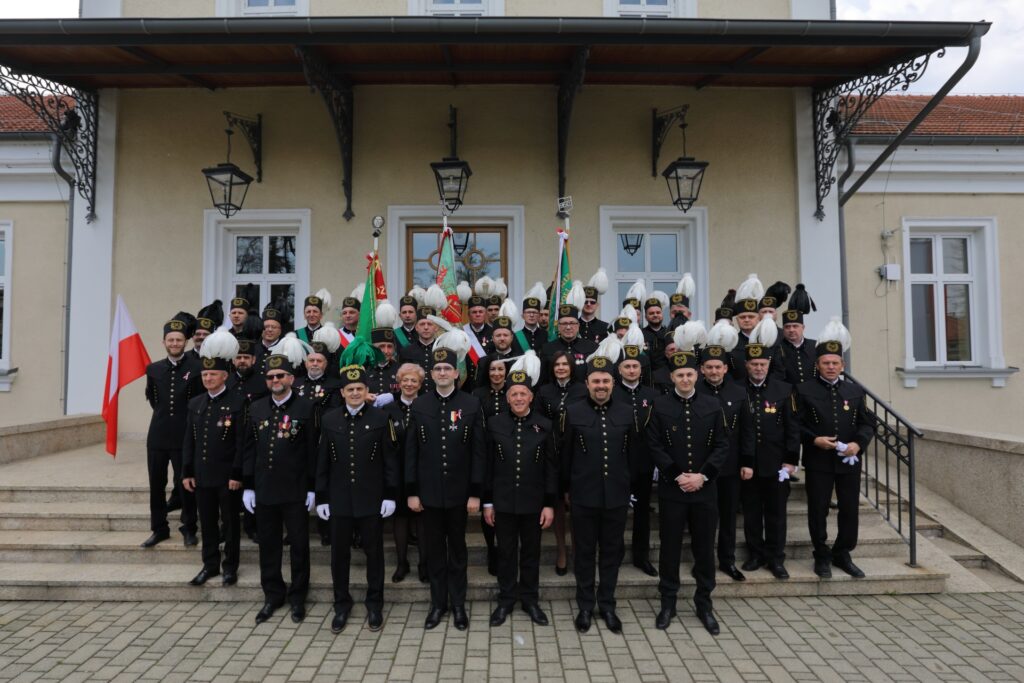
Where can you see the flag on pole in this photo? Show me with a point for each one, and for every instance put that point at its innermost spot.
(360, 349)
(562, 281)
(126, 363)
(446, 276)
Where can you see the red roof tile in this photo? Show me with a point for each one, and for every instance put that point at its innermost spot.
(16, 117)
(956, 115)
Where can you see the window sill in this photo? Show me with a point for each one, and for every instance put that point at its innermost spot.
(7, 378)
(997, 375)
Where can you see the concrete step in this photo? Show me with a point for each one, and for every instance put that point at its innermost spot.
(169, 582)
(876, 539)
(961, 552)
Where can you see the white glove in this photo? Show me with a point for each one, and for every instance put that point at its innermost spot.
(783, 474)
(310, 501)
(387, 508)
(851, 460)
(655, 478)
(323, 511)
(383, 400)
(841, 447)
(249, 500)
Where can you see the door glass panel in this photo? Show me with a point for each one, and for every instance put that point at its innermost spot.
(248, 255)
(282, 297)
(477, 252)
(664, 253)
(958, 323)
(250, 292)
(630, 263)
(921, 256)
(954, 255)
(282, 254)
(667, 287)
(923, 321)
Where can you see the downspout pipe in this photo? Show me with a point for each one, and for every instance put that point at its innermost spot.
(55, 152)
(844, 287)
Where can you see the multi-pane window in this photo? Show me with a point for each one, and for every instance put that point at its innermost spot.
(943, 286)
(478, 252)
(457, 8)
(264, 271)
(654, 255)
(5, 260)
(645, 8)
(257, 7)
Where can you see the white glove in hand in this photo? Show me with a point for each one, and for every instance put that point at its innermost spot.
(783, 474)
(850, 460)
(310, 501)
(383, 400)
(841, 447)
(387, 508)
(323, 511)
(249, 500)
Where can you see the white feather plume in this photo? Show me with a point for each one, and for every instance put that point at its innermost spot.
(359, 291)
(417, 293)
(599, 281)
(484, 286)
(610, 347)
(751, 288)
(766, 332)
(224, 345)
(689, 335)
(538, 292)
(511, 311)
(324, 297)
(453, 339)
(834, 331)
(662, 298)
(529, 363)
(500, 288)
(576, 295)
(386, 315)
(435, 298)
(634, 336)
(465, 291)
(328, 336)
(724, 334)
(440, 322)
(629, 312)
(686, 286)
(637, 291)
(293, 348)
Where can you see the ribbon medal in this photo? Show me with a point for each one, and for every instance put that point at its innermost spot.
(455, 416)
(846, 404)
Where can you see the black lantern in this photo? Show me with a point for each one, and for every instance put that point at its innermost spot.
(684, 176)
(452, 174)
(228, 184)
(460, 240)
(631, 242)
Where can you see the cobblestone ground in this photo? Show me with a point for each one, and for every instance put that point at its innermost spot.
(927, 638)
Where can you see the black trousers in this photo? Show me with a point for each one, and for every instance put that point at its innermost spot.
(518, 548)
(764, 518)
(597, 531)
(443, 539)
(642, 518)
(488, 536)
(294, 518)
(700, 517)
(819, 494)
(157, 460)
(371, 529)
(219, 505)
(728, 506)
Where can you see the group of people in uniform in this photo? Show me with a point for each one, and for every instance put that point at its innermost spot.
(493, 417)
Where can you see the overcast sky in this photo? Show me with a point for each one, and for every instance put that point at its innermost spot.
(1000, 68)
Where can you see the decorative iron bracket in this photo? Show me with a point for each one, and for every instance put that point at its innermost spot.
(252, 129)
(570, 85)
(660, 126)
(839, 108)
(72, 114)
(340, 101)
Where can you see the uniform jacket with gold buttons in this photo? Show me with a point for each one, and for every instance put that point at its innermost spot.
(799, 363)
(357, 465)
(835, 411)
(738, 419)
(323, 392)
(279, 450)
(687, 435)
(772, 408)
(521, 476)
(169, 388)
(445, 449)
(212, 450)
(641, 401)
(596, 443)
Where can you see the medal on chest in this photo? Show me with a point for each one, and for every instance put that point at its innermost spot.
(454, 417)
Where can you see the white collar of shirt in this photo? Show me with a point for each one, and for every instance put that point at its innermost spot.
(448, 395)
(222, 390)
(590, 319)
(688, 396)
(175, 361)
(283, 400)
(407, 402)
(311, 378)
(563, 384)
(634, 385)
(351, 410)
(756, 384)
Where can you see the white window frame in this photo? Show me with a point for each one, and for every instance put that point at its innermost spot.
(986, 325)
(429, 8)
(693, 240)
(7, 231)
(677, 9)
(239, 8)
(218, 248)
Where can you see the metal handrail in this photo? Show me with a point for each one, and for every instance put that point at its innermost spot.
(889, 468)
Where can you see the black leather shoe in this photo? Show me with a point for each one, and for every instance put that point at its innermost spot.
(401, 571)
(709, 622)
(646, 567)
(230, 579)
(583, 620)
(562, 571)
(611, 620)
(753, 564)
(499, 615)
(537, 615)
(732, 572)
(664, 618)
(460, 618)
(822, 569)
(847, 565)
(173, 503)
(778, 571)
(298, 613)
(434, 617)
(265, 612)
(339, 621)
(203, 576)
(374, 619)
(190, 539)
(424, 576)
(155, 538)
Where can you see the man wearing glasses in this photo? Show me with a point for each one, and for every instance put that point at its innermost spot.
(569, 340)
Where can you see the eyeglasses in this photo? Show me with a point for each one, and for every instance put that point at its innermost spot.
(276, 377)
(590, 301)
(568, 323)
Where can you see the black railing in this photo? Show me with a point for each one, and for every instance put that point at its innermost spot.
(888, 468)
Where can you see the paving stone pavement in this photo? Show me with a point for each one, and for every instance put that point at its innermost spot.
(952, 637)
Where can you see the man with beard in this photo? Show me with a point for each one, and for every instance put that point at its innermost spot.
(238, 313)
(654, 331)
(568, 339)
(248, 385)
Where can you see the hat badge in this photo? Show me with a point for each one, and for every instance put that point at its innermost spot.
(177, 325)
(274, 361)
(833, 347)
(715, 351)
(600, 362)
(440, 354)
(209, 363)
(352, 374)
(755, 350)
(518, 376)
(792, 315)
(632, 351)
(750, 305)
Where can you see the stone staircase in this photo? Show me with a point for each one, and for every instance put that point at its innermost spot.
(71, 524)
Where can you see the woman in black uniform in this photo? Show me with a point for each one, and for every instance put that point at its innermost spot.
(492, 397)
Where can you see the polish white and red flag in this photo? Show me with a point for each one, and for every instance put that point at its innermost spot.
(126, 363)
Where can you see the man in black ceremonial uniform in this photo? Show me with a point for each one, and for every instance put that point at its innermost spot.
(357, 480)
(568, 340)
(796, 352)
(592, 327)
(279, 460)
(381, 378)
(249, 385)
(655, 332)
(688, 439)
(170, 384)
(520, 491)
(535, 335)
(212, 459)
(596, 436)
(444, 468)
(835, 429)
(418, 349)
